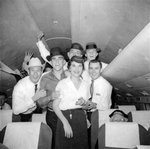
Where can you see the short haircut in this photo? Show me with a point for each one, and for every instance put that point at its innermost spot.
(96, 61)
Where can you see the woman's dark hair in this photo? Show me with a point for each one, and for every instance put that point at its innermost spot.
(77, 59)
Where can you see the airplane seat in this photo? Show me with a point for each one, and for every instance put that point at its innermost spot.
(98, 118)
(122, 135)
(32, 135)
(141, 117)
(39, 117)
(142, 147)
(127, 108)
(5, 118)
(2, 146)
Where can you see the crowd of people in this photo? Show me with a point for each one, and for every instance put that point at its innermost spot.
(69, 90)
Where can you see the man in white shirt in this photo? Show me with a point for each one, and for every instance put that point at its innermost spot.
(26, 93)
(102, 89)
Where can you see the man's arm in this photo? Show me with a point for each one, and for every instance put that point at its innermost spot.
(20, 105)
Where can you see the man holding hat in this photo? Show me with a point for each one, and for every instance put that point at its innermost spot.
(26, 93)
(48, 83)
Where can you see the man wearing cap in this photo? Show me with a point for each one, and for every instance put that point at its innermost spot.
(48, 82)
(26, 93)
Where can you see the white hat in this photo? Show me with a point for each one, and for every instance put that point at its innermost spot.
(35, 62)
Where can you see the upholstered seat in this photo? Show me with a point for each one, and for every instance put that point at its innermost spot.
(127, 108)
(31, 135)
(140, 117)
(5, 118)
(39, 117)
(122, 135)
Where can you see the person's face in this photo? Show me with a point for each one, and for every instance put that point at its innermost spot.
(91, 54)
(35, 74)
(57, 62)
(94, 70)
(2, 100)
(76, 69)
(118, 118)
(74, 52)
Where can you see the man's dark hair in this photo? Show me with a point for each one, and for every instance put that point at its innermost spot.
(96, 61)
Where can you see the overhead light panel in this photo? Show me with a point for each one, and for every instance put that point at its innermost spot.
(147, 78)
(128, 85)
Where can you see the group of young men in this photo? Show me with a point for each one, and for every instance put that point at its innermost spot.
(38, 89)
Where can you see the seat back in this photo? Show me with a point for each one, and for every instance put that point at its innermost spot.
(127, 108)
(39, 117)
(23, 135)
(103, 116)
(142, 147)
(98, 118)
(5, 118)
(121, 135)
(140, 117)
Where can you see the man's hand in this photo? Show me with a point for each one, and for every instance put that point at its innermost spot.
(40, 36)
(28, 56)
(91, 105)
(55, 95)
(39, 94)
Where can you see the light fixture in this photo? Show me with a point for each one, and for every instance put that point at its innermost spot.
(147, 78)
(128, 94)
(145, 93)
(128, 85)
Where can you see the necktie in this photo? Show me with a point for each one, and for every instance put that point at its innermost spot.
(92, 89)
(35, 88)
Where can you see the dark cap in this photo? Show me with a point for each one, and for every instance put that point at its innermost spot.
(77, 59)
(77, 46)
(55, 51)
(118, 112)
(92, 45)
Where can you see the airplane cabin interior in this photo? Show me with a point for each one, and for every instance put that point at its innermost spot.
(120, 28)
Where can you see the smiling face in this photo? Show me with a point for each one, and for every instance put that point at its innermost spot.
(91, 54)
(57, 62)
(35, 73)
(76, 69)
(74, 52)
(94, 70)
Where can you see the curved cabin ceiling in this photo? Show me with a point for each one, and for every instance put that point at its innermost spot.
(112, 24)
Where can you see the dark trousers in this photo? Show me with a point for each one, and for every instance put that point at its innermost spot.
(26, 117)
(79, 127)
(51, 120)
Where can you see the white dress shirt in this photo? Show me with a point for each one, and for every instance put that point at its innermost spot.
(102, 93)
(23, 92)
(70, 95)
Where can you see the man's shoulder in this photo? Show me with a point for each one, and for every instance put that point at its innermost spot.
(23, 80)
(102, 80)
